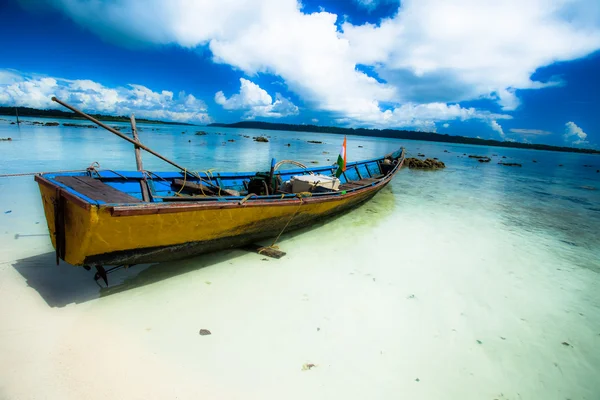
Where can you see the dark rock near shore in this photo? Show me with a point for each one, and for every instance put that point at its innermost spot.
(484, 160)
(560, 165)
(424, 164)
(261, 139)
(503, 156)
(514, 164)
(534, 161)
(288, 145)
(314, 141)
(420, 155)
(79, 125)
(231, 140)
(200, 133)
(5, 139)
(475, 156)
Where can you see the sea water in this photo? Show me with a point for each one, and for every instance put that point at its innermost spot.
(479, 281)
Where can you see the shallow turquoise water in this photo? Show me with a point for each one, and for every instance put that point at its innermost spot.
(470, 278)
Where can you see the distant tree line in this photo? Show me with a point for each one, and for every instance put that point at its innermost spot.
(34, 112)
(400, 134)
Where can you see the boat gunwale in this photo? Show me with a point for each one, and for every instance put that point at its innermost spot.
(174, 207)
(129, 209)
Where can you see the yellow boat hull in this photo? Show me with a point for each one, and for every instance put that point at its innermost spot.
(114, 235)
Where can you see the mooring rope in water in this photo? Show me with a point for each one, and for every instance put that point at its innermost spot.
(93, 167)
(39, 173)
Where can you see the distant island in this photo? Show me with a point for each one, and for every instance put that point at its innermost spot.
(34, 112)
(399, 134)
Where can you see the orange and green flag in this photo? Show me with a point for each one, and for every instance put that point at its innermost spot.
(341, 161)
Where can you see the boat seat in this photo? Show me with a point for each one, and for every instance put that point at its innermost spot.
(357, 184)
(366, 181)
(350, 185)
(96, 190)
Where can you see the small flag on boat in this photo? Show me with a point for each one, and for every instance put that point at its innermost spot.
(341, 161)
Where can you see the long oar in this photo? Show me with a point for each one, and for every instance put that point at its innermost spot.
(135, 143)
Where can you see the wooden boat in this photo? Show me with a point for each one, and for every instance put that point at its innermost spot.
(105, 217)
(98, 217)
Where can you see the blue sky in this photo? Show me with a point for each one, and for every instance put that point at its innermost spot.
(522, 71)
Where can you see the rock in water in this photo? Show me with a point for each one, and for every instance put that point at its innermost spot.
(261, 139)
(514, 164)
(424, 164)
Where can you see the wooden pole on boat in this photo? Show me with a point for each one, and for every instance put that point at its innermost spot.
(138, 160)
(140, 145)
(138, 152)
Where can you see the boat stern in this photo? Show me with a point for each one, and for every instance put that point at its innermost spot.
(70, 221)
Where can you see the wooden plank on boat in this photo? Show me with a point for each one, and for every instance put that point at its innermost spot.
(350, 185)
(265, 251)
(96, 189)
(203, 189)
(366, 181)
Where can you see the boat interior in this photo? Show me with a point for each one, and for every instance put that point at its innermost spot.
(101, 187)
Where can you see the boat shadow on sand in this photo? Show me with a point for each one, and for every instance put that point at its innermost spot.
(65, 284)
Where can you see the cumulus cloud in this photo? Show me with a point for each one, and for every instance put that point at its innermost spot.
(498, 128)
(572, 131)
(430, 51)
(446, 125)
(18, 89)
(256, 102)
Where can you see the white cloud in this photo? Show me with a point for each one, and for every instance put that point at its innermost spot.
(484, 49)
(430, 52)
(530, 131)
(314, 120)
(498, 128)
(37, 91)
(446, 125)
(256, 102)
(572, 131)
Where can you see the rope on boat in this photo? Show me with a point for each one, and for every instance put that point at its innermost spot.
(184, 182)
(300, 195)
